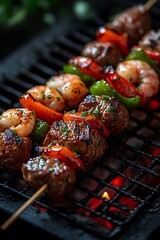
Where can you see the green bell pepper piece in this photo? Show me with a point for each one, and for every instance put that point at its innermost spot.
(88, 80)
(102, 88)
(39, 132)
(139, 54)
(129, 103)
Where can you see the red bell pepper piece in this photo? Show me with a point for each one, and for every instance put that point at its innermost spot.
(41, 111)
(153, 54)
(121, 85)
(90, 119)
(87, 66)
(118, 83)
(63, 154)
(118, 39)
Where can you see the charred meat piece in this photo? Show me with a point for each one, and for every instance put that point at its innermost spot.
(103, 53)
(14, 150)
(112, 113)
(42, 169)
(134, 22)
(78, 137)
(151, 40)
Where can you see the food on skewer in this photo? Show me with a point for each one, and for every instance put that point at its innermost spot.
(79, 137)
(71, 87)
(19, 120)
(110, 110)
(150, 44)
(14, 150)
(88, 140)
(103, 53)
(151, 40)
(41, 111)
(141, 74)
(58, 175)
(108, 82)
(134, 22)
(50, 97)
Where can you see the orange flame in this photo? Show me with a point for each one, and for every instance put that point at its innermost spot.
(106, 195)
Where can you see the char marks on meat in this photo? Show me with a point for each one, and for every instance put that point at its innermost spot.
(78, 137)
(104, 53)
(14, 150)
(110, 110)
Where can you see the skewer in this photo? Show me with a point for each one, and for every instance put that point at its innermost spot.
(10, 220)
(149, 4)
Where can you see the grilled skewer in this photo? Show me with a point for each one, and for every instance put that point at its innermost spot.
(45, 186)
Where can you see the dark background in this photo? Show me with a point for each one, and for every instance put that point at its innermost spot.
(21, 20)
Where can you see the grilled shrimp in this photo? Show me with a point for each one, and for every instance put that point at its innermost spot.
(20, 120)
(49, 97)
(141, 74)
(72, 88)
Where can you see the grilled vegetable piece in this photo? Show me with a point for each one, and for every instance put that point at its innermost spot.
(87, 66)
(14, 150)
(79, 137)
(39, 132)
(43, 169)
(88, 80)
(41, 111)
(110, 110)
(120, 84)
(118, 39)
(64, 154)
(101, 87)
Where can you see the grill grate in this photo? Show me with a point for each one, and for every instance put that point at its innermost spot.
(129, 172)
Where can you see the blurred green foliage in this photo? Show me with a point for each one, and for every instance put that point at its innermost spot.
(14, 12)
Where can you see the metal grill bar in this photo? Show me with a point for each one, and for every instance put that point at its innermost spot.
(115, 165)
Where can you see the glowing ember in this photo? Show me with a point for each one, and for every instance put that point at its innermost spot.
(153, 104)
(98, 205)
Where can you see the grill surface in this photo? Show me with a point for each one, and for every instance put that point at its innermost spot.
(129, 172)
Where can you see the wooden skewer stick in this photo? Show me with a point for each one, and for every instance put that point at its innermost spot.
(11, 219)
(149, 4)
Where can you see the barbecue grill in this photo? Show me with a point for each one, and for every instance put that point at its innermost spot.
(118, 197)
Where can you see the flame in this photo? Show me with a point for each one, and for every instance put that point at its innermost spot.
(106, 195)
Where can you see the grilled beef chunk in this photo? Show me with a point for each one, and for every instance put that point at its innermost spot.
(103, 53)
(39, 170)
(135, 22)
(14, 150)
(151, 40)
(113, 113)
(78, 137)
